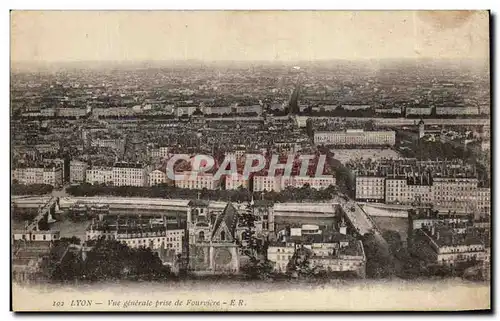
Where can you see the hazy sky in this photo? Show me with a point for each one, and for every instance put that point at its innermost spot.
(53, 36)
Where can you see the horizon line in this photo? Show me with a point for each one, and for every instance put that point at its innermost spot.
(23, 63)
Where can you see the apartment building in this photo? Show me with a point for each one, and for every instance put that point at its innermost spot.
(444, 246)
(196, 180)
(267, 183)
(77, 171)
(99, 175)
(281, 254)
(482, 201)
(160, 152)
(314, 182)
(58, 162)
(449, 191)
(129, 174)
(399, 190)
(49, 174)
(157, 177)
(117, 144)
(370, 188)
(449, 185)
(174, 239)
(235, 181)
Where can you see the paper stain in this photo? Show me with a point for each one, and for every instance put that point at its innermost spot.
(446, 19)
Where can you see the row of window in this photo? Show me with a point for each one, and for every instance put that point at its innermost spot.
(113, 237)
(471, 249)
(44, 237)
(174, 245)
(373, 182)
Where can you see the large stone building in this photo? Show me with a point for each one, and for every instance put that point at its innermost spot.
(418, 111)
(134, 232)
(314, 182)
(332, 251)
(457, 110)
(449, 185)
(279, 183)
(112, 112)
(355, 137)
(445, 245)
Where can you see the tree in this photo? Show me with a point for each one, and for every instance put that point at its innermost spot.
(249, 242)
(300, 264)
(43, 224)
(32, 189)
(378, 263)
(258, 267)
(111, 260)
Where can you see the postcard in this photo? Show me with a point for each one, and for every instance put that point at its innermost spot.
(250, 161)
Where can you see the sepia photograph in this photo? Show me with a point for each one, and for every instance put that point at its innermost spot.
(250, 161)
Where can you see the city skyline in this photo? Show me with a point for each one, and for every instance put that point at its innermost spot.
(99, 36)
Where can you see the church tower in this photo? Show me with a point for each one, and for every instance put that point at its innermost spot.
(198, 221)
